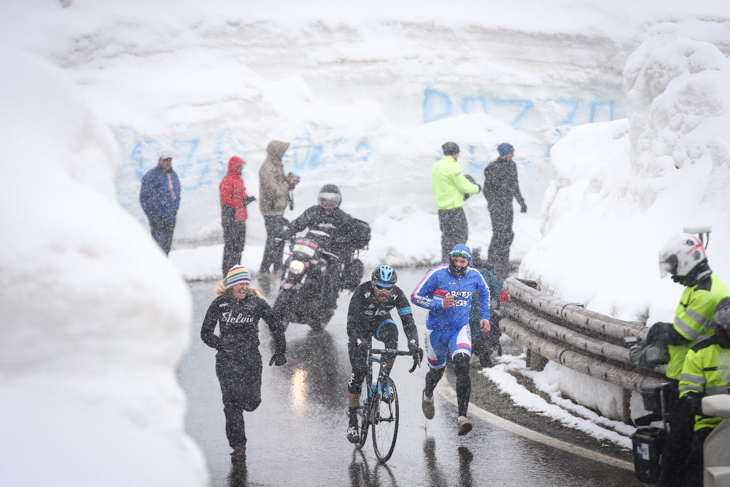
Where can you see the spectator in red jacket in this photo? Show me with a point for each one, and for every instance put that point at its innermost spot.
(233, 213)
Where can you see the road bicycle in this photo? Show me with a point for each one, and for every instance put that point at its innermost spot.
(380, 408)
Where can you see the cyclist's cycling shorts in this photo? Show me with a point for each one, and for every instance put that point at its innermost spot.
(439, 343)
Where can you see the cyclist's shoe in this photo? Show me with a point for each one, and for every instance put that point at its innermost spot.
(353, 434)
(387, 394)
(463, 426)
(428, 408)
(238, 456)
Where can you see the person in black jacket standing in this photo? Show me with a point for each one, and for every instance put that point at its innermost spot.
(500, 187)
(237, 311)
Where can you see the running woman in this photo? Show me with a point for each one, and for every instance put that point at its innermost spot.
(238, 365)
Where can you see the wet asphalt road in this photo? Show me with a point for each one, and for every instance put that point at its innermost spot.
(297, 435)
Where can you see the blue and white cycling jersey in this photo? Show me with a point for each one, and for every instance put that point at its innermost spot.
(439, 282)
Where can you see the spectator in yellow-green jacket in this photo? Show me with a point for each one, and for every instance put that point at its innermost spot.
(449, 185)
(706, 372)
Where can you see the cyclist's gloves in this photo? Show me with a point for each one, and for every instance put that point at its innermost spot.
(362, 344)
(415, 351)
(278, 359)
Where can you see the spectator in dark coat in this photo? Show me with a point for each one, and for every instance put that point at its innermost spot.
(233, 213)
(500, 187)
(160, 200)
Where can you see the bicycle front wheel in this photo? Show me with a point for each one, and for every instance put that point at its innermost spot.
(385, 422)
(365, 413)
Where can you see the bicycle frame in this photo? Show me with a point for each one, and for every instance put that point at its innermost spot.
(378, 411)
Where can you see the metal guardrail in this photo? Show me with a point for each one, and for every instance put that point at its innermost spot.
(575, 337)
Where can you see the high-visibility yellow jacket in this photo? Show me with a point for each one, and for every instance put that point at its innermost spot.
(693, 320)
(449, 184)
(706, 372)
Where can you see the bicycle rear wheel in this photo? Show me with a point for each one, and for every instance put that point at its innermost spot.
(385, 421)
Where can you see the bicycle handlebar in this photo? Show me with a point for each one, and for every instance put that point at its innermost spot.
(389, 351)
(393, 351)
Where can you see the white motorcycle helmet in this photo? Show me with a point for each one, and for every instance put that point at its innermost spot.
(681, 255)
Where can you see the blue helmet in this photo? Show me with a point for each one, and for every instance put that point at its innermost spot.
(384, 276)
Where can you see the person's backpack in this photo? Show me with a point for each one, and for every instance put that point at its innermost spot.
(359, 235)
(352, 274)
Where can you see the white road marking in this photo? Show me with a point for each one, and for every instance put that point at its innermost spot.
(448, 393)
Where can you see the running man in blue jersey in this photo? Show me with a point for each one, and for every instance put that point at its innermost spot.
(447, 291)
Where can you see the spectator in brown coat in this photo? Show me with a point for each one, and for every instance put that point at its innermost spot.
(274, 196)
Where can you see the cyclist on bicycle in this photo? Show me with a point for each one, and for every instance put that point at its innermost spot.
(447, 292)
(369, 316)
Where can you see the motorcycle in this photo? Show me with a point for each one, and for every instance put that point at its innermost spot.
(313, 276)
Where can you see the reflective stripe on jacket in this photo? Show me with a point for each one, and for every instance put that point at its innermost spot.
(693, 320)
(706, 372)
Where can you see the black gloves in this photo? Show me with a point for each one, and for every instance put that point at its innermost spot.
(523, 208)
(415, 351)
(362, 344)
(278, 359)
(248, 200)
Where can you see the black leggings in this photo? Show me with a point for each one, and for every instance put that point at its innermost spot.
(241, 388)
(463, 381)
(386, 332)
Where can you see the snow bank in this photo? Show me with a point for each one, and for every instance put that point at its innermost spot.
(624, 188)
(94, 318)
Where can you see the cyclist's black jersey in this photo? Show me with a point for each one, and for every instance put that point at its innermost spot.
(366, 312)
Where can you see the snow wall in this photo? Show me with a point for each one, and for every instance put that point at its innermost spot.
(94, 318)
(371, 120)
(643, 180)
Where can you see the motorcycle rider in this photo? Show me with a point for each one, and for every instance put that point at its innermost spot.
(684, 258)
(369, 316)
(705, 373)
(327, 217)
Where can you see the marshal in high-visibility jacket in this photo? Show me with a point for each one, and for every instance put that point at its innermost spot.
(684, 258)
(706, 372)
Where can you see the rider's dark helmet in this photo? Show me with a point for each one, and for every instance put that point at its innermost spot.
(384, 276)
(329, 197)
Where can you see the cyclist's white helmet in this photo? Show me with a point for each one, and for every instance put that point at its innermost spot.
(680, 255)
